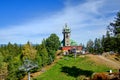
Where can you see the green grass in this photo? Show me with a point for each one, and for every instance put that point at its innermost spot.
(69, 68)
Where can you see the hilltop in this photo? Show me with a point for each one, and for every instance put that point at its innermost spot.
(68, 68)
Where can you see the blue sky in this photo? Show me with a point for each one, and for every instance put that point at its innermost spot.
(33, 20)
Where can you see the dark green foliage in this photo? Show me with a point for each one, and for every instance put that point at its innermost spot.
(114, 41)
(52, 44)
(90, 47)
(98, 46)
(117, 45)
(107, 42)
(103, 42)
(114, 27)
(42, 55)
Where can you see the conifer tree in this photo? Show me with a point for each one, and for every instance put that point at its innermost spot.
(89, 46)
(114, 27)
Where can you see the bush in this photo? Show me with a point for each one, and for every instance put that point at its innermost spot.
(81, 77)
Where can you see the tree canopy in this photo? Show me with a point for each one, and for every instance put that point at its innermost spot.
(52, 44)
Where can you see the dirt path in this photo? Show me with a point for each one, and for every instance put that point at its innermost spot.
(103, 60)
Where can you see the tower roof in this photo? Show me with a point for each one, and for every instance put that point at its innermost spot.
(66, 29)
(66, 26)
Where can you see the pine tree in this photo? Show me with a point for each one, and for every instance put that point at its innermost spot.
(98, 46)
(107, 43)
(115, 26)
(44, 54)
(89, 46)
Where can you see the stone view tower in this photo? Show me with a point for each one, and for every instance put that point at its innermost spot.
(66, 35)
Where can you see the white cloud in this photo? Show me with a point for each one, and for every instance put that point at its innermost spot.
(87, 20)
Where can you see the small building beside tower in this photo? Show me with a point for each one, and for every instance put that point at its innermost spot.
(67, 43)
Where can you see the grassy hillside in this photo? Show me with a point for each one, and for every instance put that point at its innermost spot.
(69, 68)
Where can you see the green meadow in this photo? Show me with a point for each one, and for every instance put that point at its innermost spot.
(69, 68)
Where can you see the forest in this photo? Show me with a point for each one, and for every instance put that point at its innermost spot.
(12, 56)
(110, 42)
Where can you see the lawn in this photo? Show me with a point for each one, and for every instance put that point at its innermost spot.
(69, 68)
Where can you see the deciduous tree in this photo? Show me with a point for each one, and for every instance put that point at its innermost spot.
(52, 44)
(28, 51)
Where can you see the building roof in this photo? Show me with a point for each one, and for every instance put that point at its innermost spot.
(73, 43)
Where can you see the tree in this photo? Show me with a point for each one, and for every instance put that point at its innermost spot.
(117, 45)
(1, 58)
(3, 66)
(107, 43)
(98, 46)
(28, 52)
(102, 42)
(13, 69)
(52, 44)
(114, 27)
(90, 46)
(42, 54)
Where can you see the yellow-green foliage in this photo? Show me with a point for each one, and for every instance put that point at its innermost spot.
(28, 52)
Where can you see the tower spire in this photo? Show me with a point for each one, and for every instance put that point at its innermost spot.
(65, 24)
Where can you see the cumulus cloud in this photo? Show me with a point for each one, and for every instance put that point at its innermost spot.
(87, 21)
